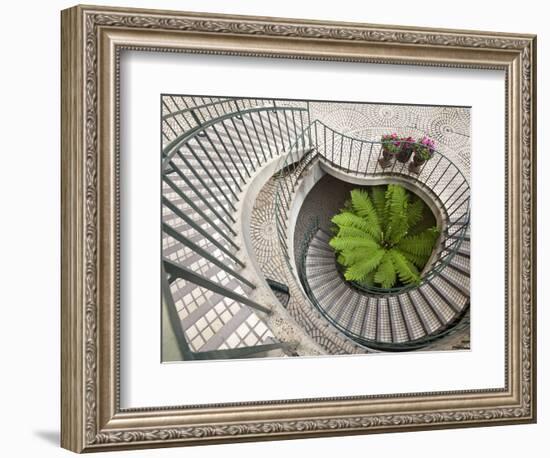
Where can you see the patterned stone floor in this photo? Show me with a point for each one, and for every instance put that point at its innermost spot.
(448, 126)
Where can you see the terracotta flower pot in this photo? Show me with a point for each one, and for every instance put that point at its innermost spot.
(416, 164)
(386, 160)
(404, 155)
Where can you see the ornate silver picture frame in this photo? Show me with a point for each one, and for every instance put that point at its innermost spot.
(93, 39)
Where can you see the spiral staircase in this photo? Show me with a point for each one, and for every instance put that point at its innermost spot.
(234, 173)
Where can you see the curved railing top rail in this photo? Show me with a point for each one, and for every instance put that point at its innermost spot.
(170, 150)
(421, 342)
(439, 176)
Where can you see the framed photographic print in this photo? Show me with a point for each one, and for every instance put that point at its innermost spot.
(278, 228)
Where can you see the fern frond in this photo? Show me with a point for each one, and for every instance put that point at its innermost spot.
(379, 202)
(349, 257)
(348, 219)
(348, 231)
(363, 207)
(352, 243)
(415, 211)
(360, 270)
(420, 244)
(418, 260)
(407, 272)
(385, 274)
(396, 211)
(368, 280)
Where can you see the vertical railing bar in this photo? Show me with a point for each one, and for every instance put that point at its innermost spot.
(294, 125)
(235, 146)
(181, 114)
(456, 199)
(377, 160)
(454, 192)
(197, 139)
(198, 194)
(167, 123)
(272, 130)
(250, 117)
(228, 153)
(441, 176)
(205, 106)
(280, 131)
(450, 181)
(190, 112)
(341, 152)
(252, 164)
(197, 228)
(325, 155)
(198, 177)
(368, 159)
(288, 137)
(265, 135)
(224, 162)
(258, 162)
(309, 123)
(332, 155)
(435, 166)
(350, 154)
(302, 131)
(316, 139)
(195, 111)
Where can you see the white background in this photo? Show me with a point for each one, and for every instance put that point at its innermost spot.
(29, 245)
(146, 383)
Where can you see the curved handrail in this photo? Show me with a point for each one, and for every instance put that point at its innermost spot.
(170, 150)
(343, 160)
(421, 342)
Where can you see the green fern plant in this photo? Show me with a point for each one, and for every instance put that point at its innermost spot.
(379, 239)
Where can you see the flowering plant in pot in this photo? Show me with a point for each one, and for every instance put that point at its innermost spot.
(390, 148)
(406, 145)
(423, 151)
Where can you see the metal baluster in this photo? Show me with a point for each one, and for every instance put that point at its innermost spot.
(273, 133)
(228, 153)
(350, 153)
(441, 176)
(280, 131)
(302, 130)
(265, 135)
(341, 151)
(257, 135)
(179, 109)
(332, 155)
(258, 162)
(377, 160)
(197, 228)
(199, 160)
(167, 123)
(190, 202)
(287, 131)
(235, 147)
(461, 194)
(224, 162)
(435, 166)
(208, 188)
(252, 164)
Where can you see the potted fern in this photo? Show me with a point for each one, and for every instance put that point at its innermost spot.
(423, 151)
(390, 148)
(406, 146)
(379, 240)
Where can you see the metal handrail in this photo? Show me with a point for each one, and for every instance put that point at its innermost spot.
(205, 168)
(170, 150)
(362, 340)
